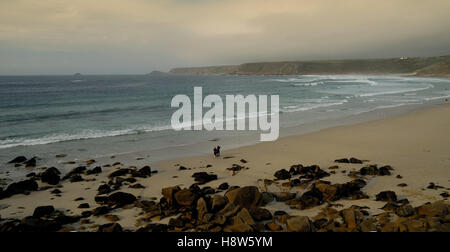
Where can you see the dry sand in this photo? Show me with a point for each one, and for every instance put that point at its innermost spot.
(416, 145)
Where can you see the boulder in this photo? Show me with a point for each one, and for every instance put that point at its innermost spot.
(244, 217)
(282, 174)
(260, 214)
(144, 172)
(355, 161)
(274, 227)
(76, 178)
(266, 198)
(21, 187)
(203, 177)
(169, 192)
(388, 196)
(283, 196)
(76, 171)
(436, 209)
(17, 160)
(84, 206)
(218, 203)
(342, 161)
(223, 186)
(51, 176)
(369, 170)
(31, 163)
(248, 197)
(384, 171)
(120, 199)
(202, 208)
(299, 224)
(43, 211)
(96, 170)
(405, 211)
(102, 210)
(120, 172)
(110, 228)
(104, 189)
(185, 197)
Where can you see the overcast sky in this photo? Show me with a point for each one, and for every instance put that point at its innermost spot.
(138, 36)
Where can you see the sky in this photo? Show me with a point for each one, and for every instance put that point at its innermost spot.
(139, 36)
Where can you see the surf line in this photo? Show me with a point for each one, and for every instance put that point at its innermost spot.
(216, 118)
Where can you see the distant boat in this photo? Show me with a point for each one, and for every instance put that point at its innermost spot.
(77, 75)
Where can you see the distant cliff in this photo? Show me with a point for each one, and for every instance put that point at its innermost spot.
(437, 66)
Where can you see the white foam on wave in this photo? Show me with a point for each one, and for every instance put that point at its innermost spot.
(395, 91)
(299, 108)
(85, 134)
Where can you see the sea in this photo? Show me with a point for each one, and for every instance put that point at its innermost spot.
(111, 115)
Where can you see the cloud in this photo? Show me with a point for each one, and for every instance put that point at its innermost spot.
(136, 36)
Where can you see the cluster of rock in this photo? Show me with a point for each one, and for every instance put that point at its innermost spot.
(21, 160)
(203, 210)
(44, 219)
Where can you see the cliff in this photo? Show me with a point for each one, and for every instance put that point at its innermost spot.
(421, 66)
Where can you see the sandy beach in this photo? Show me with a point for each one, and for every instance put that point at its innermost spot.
(415, 145)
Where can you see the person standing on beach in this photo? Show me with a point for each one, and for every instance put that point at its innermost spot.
(215, 151)
(218, 151)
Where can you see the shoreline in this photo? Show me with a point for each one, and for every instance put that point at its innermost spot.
(414, 144)
(46, 153)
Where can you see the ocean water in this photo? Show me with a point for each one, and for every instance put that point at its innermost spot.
(105, 115)
(44, 110)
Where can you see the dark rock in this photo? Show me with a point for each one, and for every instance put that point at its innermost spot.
(104, 189)
(260, 214)
(120, 199)
(33, 224)
(223, 186)
(436, 209)
(283, 196)
(247, 197)
(169, 192)
(402, 185)
(282, 174)
(51, 176)
(43, 211)
(79, 199)
(96, 170)
(244, 161)
(384, 171)
(355, 161)
(369, 170)
(19, 159)
(405, 211)
(182, 168)
(76, 178)
(299, 224)
(342, 160)
(203, 177)
(218, 203)
(56, 191)
(31, 163)
(21, 187)
(120, 172)
(388, 196)
(76, 171)
(102, 210)
(110, 228)
(185, 197)
(143, 172)
(137, 186)
(84, 206)
(31, 175)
